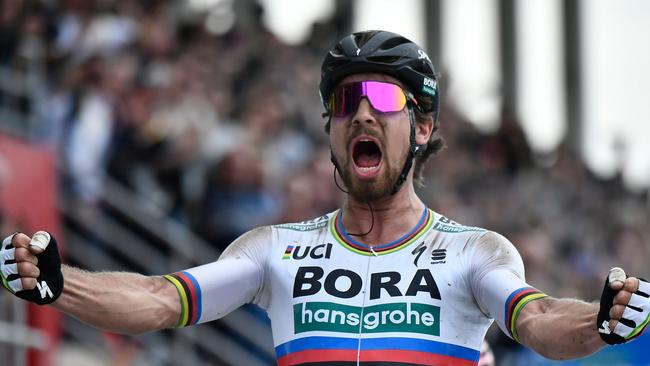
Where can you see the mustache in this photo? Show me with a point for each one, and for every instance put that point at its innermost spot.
(359, 131)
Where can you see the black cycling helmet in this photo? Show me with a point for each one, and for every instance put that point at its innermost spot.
(382, 52)
(391, 54)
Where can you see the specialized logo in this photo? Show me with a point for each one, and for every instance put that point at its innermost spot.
(300, 251)
(44, 289)
(423, 55)
(437, 255)
(308, 282)
(396, 317)
(418, 252)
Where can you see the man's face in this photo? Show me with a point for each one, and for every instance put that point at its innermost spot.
(369, 146)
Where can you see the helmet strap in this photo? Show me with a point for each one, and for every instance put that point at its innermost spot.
(414, 151)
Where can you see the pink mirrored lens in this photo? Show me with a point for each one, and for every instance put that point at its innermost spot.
(384, 97)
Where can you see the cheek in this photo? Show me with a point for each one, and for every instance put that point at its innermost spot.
(337, 142)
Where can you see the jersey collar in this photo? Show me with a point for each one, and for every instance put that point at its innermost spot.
(339, 233)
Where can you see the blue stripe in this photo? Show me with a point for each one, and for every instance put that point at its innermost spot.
(368, 344)
(339, 223)
(513, 294)
(307, 343)
(199, 305)
(420, 345)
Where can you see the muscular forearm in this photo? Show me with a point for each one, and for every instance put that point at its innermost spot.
(119, 302)
(560, 328)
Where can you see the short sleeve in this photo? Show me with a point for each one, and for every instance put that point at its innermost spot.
(213, 290)
(498, 282)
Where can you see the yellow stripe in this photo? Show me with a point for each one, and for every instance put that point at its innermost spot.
(183, 297)
(640, 328)
(5, 283)
(341, 241)
(520, 305)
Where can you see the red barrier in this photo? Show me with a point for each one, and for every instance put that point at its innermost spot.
(28, 194)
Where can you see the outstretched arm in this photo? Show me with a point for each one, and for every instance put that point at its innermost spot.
(119, 301)
(129, 302)
(564, 328)
(116, 301)
(555, 328)
(559, 329)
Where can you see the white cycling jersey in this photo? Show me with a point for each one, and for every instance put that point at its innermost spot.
(427, 298)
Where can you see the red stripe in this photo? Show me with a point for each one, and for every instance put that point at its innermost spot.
(415, 232)
(190, 285)
(420, 358)
(318, 356)
(514, 301)
(414, 357)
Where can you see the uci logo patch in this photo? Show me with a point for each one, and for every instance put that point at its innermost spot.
(301, 252)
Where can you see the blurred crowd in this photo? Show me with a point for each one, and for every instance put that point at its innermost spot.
(224, 132)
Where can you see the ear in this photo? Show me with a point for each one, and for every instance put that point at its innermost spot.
(423, 130)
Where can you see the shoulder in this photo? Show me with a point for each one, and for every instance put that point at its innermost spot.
(260, 240)
(250, 243)
(307, 225)
(446, 225)
(492, 250)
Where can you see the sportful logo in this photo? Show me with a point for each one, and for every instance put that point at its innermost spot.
(396, 317)
(438, 256)
(301, 252)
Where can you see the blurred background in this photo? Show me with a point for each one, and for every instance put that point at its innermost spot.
(148, 135)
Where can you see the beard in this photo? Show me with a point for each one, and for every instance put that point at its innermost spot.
(370, 190)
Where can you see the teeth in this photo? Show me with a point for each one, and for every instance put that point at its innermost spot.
(367, 169)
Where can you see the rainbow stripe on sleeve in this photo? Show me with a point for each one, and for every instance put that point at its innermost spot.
(515, 302)
(189, 292)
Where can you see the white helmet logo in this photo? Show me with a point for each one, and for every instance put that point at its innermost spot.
(423, 55)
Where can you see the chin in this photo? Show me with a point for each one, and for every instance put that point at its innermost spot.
(370, 190)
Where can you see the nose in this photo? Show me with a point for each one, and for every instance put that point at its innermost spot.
(364, 113)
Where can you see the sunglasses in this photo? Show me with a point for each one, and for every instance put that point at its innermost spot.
(383, 96)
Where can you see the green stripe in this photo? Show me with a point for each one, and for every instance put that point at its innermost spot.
(183, 300)
(5, 283)
(640, 328)
(518, 307)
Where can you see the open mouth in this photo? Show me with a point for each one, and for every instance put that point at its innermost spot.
(366, 155)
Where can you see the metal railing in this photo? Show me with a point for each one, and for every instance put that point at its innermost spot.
(241, 338)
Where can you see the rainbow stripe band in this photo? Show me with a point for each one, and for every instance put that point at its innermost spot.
(639, 329)
(339, 233)
(515, 302)
(189, 293)
(287, 252)
(373, 351)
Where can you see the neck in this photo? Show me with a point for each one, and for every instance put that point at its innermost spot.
(393, 216)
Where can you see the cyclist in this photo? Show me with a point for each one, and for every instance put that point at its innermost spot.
(383, 280)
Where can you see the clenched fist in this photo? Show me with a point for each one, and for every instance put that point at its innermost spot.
(31, 267)
(624, 307)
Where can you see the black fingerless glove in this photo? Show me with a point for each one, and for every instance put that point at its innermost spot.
(602, 322)
(50, 283)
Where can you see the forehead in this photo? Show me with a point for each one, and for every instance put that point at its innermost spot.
(370, 76)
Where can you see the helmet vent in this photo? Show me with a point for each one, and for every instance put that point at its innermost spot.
(384, 59)
(393, 42)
